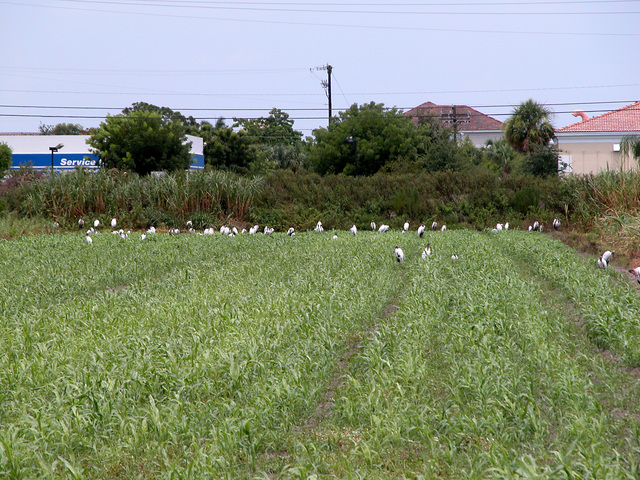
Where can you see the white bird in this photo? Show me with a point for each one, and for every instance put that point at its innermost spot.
(114, 222)
(506, 226)
(189, 224)
(444, 228)
(254, 229)
(80, 223)
(88, 238)
(319, 227)
(373, 226)
(605, 258)
(383, 228)
(556, 224)
(291, 232)
(96, 223)
(268, 230)
(530, 228)
(405, 227)
(143, 236)
(499, 227)
(636, 272)
(151, 229)
(234, 231)
(454, 256)
(399, 254)
(56, 225)
(421, 230)
(354, 229)
(427, 251)
(335, 236)
(434, 226)
(536, 226)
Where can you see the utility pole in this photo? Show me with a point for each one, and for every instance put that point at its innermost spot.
(326, 84)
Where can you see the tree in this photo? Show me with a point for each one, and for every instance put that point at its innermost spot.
(141, 140)
(500, 156)
(276, 129)
(62, 129)
(5, 157)
(382, 136)
(630, 146)
(529, 127)
(226, 148)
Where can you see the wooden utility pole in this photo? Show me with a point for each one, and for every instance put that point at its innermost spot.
(326, 84)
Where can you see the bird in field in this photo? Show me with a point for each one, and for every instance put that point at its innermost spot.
(454, 256)
(96, 223)
(88, 238)
(234, 231)
(151, 229)
(556, 224)
(268, 230)
(405, 227)
(427, 251)
(636, 273)
(506, 226)
(143, 236)
(373, 226)
(291, 232)
(354, 229)
(319, 228)
(434, 226)
(444, 228)
(335, 236)
(605, 259)
(421, 229)
(189, 224)
(56, 225)
(499, 227)
(399, 254)
(383, 228)
(80, 223)
(114, 222)
(536, 226)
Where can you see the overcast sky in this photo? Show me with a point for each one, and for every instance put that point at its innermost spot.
(75, 61)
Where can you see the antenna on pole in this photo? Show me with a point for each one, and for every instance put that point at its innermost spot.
(326, 84)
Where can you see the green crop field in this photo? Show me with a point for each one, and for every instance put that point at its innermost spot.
(268, 356)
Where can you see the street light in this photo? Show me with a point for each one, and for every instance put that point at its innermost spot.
(354, 141)
(54, 149)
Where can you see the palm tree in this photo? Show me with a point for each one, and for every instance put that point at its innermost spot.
(529, 127)
(630, 146)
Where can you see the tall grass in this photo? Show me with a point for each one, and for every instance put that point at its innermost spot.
(137, 201)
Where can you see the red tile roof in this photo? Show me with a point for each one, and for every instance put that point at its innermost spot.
(626, 119)
(467, 118)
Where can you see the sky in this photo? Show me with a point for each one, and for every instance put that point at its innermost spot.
(75, 61)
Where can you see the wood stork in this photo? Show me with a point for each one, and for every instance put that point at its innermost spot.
(556, 224)
(143, 236)
(56, 225)
(399, 254)
(373, 226)
(605, 259)
(536, 226)
(189, 224)
(88, 238)
(405, 227)
(383, 228)
(354, 229)
(454, 256)
(444, 228)
(335, 236)
(234, 231)
(80, 223)
(499, 227)
(506, 226)
(319, 227)
(421, 230)
(114, 222)
(151, 229)
(636, 273)
(434, 226)
(96, 223)
(268, 230)
(427, 251)
(291, 232)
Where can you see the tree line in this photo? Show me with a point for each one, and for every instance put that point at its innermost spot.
(362, 140)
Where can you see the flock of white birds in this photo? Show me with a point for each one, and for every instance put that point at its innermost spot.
(603, 261)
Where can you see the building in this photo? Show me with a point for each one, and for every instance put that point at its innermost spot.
(467, 121)
(66, 152)
(593, 144)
